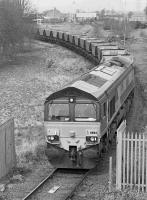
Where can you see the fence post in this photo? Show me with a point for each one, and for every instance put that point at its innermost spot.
(7, 150)
(110, 174)
(120, 131)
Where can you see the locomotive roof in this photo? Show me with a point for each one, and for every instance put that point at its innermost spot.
(97, 81)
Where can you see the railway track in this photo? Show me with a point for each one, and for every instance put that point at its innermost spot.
(60, 184)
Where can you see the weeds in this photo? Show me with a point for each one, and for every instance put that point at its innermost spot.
(143, 34)
(124, 195)
(30, 152)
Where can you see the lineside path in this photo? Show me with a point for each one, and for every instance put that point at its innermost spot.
(138, 118)
(140, 54)
(96, 186)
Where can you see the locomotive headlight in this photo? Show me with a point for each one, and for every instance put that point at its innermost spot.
(52, 138)
(71, 100)
(52, 135)
(92, 139)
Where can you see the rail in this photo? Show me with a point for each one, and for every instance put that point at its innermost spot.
(39, 185)
(79, 174)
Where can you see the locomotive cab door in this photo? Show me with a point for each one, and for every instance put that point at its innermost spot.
(104, 113)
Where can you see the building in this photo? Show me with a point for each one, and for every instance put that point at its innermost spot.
(113, 16)
(53, 15)
(138, 17)
(85, 16)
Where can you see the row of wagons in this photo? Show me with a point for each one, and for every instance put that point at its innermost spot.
(99, 48)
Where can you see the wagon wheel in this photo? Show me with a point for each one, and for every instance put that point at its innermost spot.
(80, 158)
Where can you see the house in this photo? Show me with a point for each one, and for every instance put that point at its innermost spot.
(138, 17)
(117, 17)
(53, 15)
(85, 16)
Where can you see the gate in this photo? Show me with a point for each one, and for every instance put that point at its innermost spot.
(131, 160)
(7, 147)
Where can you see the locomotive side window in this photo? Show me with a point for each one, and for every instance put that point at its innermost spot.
(58, 112)
(85, 112)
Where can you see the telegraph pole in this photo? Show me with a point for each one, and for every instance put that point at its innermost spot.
(125, 26)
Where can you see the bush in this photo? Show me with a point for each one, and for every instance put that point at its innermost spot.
(13, 27)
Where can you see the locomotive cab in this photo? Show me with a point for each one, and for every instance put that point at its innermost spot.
(72, 121)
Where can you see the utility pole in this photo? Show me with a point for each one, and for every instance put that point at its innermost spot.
(125, 21)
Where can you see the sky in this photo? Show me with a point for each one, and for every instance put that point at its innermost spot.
(89, 5)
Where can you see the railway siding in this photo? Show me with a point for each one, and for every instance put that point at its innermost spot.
(64, 181)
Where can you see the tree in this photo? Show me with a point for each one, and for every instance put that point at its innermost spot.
(13, 28)
(121, 28)
(102, 13)
(130, 14)
(145, 10)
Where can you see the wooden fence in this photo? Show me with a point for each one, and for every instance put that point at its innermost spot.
(131, 160)
(7, 147)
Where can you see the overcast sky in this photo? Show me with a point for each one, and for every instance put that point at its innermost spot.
(89, 5)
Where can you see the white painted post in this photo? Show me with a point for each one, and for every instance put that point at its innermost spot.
(120, 131)
(110, 174)
(139, 164)
(143, 158)
(124, 161)
(132, 159)
(118, 160)
(146, 167)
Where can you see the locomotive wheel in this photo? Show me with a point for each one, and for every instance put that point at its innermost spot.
(79, 158)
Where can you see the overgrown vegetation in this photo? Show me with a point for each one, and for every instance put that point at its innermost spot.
(124, 195)
(113, 29)
(30, 152)
(119, 29)
(138, 107)
(14, 28)
(98, 30)
(30, 146)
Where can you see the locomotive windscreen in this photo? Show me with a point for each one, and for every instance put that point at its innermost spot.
(58, 112)
(80, 110)
(85, 112)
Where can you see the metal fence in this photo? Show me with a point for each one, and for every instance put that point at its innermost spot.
(7, 147)
(131, 160)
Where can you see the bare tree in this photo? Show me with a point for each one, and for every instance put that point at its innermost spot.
(102, 13)
(121, 29)
(13, 27)
(145, 10)
(130, 13)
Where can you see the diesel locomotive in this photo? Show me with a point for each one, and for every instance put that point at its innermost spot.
(81, 119)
